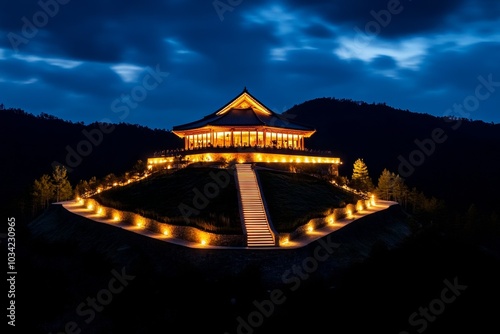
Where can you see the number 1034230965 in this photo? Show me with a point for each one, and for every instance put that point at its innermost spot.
(11, 243)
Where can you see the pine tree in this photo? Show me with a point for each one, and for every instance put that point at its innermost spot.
(82, 188)
(63, 189)
(360, 177)
(385, 185)
(399, 190)
(43, 192)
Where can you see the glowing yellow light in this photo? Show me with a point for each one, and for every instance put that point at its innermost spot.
(80, 201)
(203, 242)
(373, 200)
(99, 211)
(116, 217)
(165, 232)
(330, 220)
(90, 207)
(359, 208)
(310, 229)
(285, 241)
(115, 184)
(349, 214)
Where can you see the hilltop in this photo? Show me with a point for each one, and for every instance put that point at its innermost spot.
(180, 198)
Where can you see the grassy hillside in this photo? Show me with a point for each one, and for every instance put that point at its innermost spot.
(203, 197)
(294, 198)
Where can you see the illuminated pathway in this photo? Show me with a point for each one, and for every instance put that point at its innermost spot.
(301, 241)
(253, 213)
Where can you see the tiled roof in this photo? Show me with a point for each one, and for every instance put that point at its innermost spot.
(244, 116)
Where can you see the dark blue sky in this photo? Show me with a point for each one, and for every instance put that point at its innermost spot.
(180, 60)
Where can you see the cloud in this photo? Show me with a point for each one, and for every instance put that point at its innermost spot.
(285, 52)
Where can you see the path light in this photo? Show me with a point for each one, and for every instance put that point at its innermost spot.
(165, 232)
(140, 222)
(330, 221)
(310, 229)
(90, 207)
(203, 242)
(349, 214)
(99, 211)
(116, 217)
(373, 200)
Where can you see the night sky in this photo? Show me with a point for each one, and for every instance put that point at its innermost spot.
(164, 63)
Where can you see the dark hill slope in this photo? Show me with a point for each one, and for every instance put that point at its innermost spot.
(203, 197)
(30, 144)
(463, 169)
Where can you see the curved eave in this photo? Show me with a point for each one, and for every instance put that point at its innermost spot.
(207, 128)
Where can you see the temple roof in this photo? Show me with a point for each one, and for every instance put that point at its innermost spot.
(244, 110)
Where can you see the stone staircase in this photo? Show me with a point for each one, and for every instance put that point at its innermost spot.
(253, 212)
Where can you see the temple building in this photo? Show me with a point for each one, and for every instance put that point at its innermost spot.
(246, 130)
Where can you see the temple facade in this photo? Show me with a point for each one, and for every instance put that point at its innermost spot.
(246, 130)
(243, 122)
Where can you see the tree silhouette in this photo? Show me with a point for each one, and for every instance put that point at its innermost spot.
(43, 192)
(62, 187)
(360, 177)
(385, 185)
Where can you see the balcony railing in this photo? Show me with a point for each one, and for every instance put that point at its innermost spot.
(243, 149)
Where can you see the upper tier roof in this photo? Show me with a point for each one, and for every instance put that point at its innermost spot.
(244, 110)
